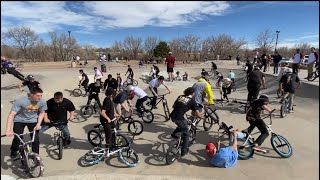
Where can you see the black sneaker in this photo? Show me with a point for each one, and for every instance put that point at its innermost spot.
(14, 154)
(184, 153)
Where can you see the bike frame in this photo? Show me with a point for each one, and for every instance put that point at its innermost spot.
(160, 98)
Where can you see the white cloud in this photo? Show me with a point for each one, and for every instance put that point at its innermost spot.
(88, 16)
(316, 36)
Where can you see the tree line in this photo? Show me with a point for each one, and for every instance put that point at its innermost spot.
(23, 43)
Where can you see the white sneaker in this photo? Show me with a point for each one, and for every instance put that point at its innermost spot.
(291, 111)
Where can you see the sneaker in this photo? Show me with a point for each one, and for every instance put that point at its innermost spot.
(258, 148)
(291, 111)
(184, 153)
(14, 154)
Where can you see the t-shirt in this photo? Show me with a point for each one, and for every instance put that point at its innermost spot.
(277, 59)
(214, 66)
(170, 60)
(121, 97)
(30, 85)
(107, 105)
(312, 57)
(182, 105)
(110, 83)
(250, 67)
(199, 88)
(255, 78)
(226, 82)
(139, 92)
(86, 79)
(28, 111)
(58, 112)
(130, 71)
(156, 68)
(98, 74)
(289, 80)
(154, 83)
(297, 58)
(232, 75)
(93, 89)
(225, 158)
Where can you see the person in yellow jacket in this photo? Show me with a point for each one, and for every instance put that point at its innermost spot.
(202, 88)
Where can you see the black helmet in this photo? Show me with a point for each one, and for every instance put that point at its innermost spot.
(264, 97)
(30, 77)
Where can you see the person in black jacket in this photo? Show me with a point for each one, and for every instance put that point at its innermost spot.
(276, 59)
(110, 82)
(94, 90)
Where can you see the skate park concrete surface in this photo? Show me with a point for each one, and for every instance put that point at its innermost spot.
(300, 128)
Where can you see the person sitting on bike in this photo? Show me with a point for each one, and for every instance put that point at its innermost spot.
(122, 100)
(225, 87)
(204, 73)
(255, 120)
(183, 104)
(224, 157)
(153, 86)
(287, 85)
(30, 83)
(130, 71)
(142, 96)
(94, 90)
(185, 77)
(84, 80)
(232, 76)
(214, 67)
(26, 111)
(256, 79)
(119, 82)
(98, 75)
(201, 89)
(58, 108)
(110, 82)
(106, 115)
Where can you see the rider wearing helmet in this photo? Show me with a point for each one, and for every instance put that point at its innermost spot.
(256, 79)
(255, 120)
(30, 82)
(142, 96)
(287, 85)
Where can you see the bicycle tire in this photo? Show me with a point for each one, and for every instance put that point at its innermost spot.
(125, 84)
(135, 127)
(121, 140)
(95, 138)
(166, 109)
(147, 116)
(77, 92)
(60, 147)
(211, 117)
(173, 153)
(134, 82)
(128, 156)
(90, 159)
(147, 104)
(283, 142)
(244, 152)
(35, 165)
(313, 76)
(283, 109)
(210, 73)
(86, 113)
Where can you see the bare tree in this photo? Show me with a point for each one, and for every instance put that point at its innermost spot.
(132, 46)
(265, 41)
(149, 44)
(176, 47)
(304, 47)
(22, 37)
(90, 52)
(118, 49)
(61, 46)
(190, 45)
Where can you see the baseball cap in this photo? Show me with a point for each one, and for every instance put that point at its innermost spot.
(210, 147)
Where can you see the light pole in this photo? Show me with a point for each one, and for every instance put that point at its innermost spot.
(275, 48)
(69, 46)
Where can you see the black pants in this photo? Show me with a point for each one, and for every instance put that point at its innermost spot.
(261, 125)
(18, 128)
(154, 99)
(3, 70)
(95, 97)
(295, 68)
(183, 127)
(253, 92)
(110, 137)
(226, 91)
(15, 73)
(140, 102)
(85, 85)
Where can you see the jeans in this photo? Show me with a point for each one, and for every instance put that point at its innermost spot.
(261, 125)
(290, 97)
(15, 73)
(275, 68)
(240, 135)
(85, 85)
(110, 137)
(226, 91)
(65, 130)
(183, 127)
(295, 68)
(18, 128)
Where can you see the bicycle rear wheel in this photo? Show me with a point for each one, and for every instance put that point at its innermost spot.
(147, 116)
(135, 82)
(92, 158)
(95, 138)
(173, 153)
(245, 151)
(128, 156)
(283, 109)
(86, 111)
(281, 145)
(60, 147)
(166, 109)
(210, 72)
(77, 92)
(211, 117)
(35, 165)
(135, 127)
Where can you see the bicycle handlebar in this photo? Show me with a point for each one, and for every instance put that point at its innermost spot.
(164, 94)
(18, 136)
(270, 116)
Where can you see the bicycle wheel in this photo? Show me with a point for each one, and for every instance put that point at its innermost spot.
(78, 119)
(95, 138)
(35, 165)
(86, 111)
(313, 76)
(281, 145)
(173, 153)
(192, 136)
(60, 147)
(166, 110)
(128, 156)
(211, 117)
(147, 104)
(135, 127)
(91, 158)
(245, 151)
(135, 82)
(121, 140)
(283, 109)
(125, 84)
(210, 72)
(77, 92)
(147, 116)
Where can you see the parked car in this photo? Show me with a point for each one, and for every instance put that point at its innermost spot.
(285, 60)
(305, 59)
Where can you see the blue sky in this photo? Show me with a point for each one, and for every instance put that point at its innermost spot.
(102, 23)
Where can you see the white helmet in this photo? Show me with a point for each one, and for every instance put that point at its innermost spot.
(170, 52)
(130, 88)
(288, 70)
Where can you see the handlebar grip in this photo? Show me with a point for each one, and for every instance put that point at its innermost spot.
(3, 135)
(230, 127)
